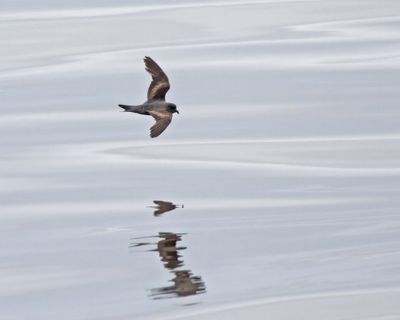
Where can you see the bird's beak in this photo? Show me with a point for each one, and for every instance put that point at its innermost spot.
(177, 111)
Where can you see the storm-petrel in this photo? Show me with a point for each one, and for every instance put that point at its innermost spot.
(155, 106)
(164, 206)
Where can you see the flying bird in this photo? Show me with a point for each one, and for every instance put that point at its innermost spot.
(155, 106)
(164, 206)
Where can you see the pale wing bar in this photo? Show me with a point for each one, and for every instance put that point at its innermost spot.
(163, 119)
(160, 84)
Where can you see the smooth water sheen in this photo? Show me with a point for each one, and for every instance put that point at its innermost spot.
(285, 157)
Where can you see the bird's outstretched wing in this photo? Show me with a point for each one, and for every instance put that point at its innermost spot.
(163, 119)
(160, 84)
(163, 203)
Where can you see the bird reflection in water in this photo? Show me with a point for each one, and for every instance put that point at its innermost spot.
(164, 206)
(184, 283)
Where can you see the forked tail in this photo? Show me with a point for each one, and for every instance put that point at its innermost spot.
(127, 108)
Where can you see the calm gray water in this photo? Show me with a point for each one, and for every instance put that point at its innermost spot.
(285, 157)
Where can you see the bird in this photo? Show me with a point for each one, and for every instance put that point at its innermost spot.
(155, 106)
(164, 206)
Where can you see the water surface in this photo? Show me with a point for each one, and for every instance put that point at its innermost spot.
(285, 157)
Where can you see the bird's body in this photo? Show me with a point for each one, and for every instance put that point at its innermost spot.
(155, 106)
(148, 107)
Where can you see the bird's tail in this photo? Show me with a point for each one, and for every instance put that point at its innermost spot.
(126, 107)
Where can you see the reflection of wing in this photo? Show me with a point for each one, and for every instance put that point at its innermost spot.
(167, 248)
(139, 244)
(163, 206)
(160, 84)
(163, 119)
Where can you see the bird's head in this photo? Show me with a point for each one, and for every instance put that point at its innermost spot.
(172, 108)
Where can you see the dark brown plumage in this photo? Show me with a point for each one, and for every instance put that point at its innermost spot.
(155, 105)
(160, 85)
(164, 206)
(163, 119)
